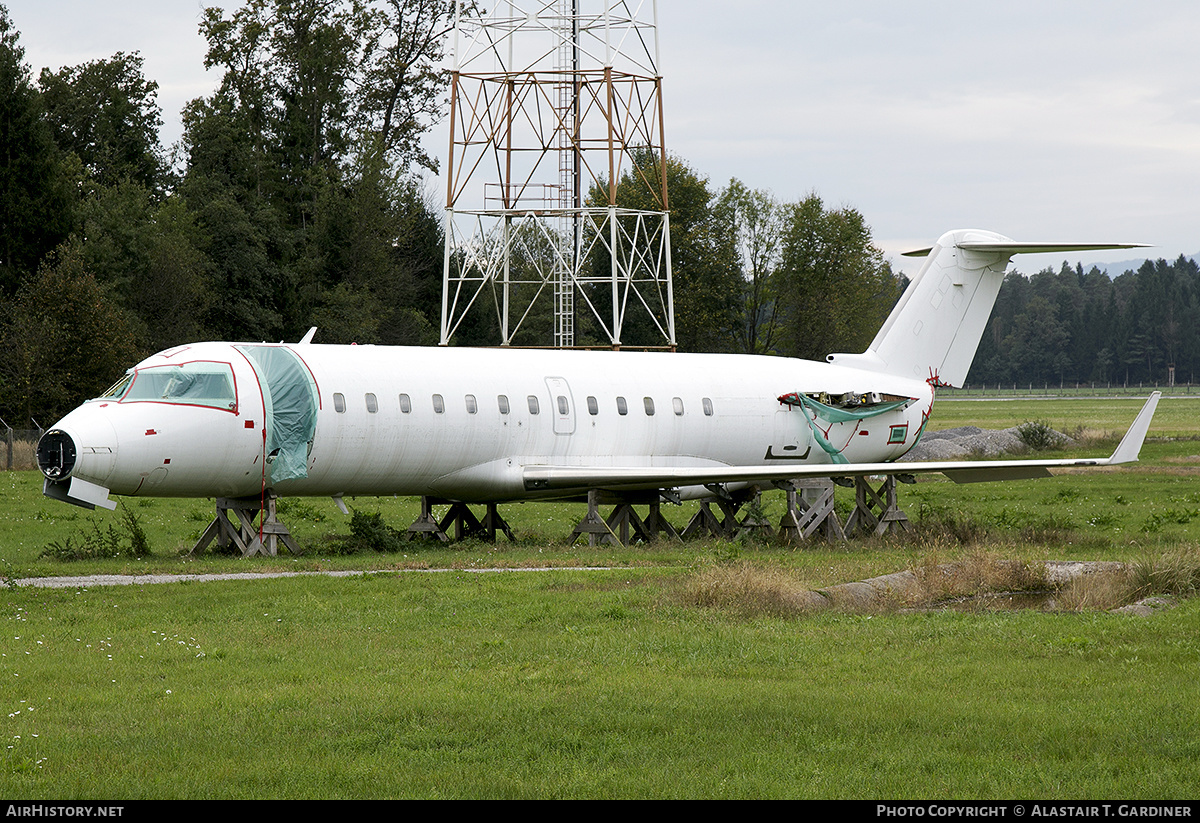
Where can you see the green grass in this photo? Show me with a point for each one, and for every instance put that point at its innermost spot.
(573, 684)
(609, 683)
(1175, 417)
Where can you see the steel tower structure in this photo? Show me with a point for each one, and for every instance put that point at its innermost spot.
(552, 107)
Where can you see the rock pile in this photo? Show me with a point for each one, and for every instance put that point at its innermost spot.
(966, 442)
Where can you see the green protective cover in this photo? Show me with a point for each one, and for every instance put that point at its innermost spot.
(290, 395)
(834, 415)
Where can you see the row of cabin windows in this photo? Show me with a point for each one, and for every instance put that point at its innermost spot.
(564, 407)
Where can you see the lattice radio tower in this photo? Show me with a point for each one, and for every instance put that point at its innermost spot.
(551, 108)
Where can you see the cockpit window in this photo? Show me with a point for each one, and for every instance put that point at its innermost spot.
(190, 384)
(119, 387)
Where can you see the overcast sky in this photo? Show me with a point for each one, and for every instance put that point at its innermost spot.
(1062, 120)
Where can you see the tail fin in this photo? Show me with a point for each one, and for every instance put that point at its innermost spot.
(935, 329)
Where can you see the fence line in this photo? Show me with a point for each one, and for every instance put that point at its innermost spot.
(20, 447)
(1068, 390)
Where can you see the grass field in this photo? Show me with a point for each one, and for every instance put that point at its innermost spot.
(429, 678)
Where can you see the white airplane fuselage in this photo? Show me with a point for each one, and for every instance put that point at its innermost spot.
(490, 425)
(500, 410)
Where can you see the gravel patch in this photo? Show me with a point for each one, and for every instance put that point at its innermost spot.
(152, 579)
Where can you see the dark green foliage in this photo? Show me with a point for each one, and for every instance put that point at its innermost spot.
(35, 198)
(368, 532)
(1074, 327)
(708, 286)
(754, 219)
(833, 286)
(299, 168)
(105, 112)
(811, 280)
(294, 205)
(64, 339)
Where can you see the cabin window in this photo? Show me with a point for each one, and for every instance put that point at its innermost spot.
(564, 408)
(707, 404)
(677, 405)
(502, 402)
(405, 404)
(439, 405)
(648, 403)
(533, 404)
(472, 406)
(339, 402)
(593, 406)
(372, 403)
(622, 408)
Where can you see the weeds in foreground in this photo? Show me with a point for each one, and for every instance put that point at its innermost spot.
(979, 573)
(1175, 574)
(750, 591)
(754, 591)
(127, 541)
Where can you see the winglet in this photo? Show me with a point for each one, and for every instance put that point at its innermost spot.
(1131, 444)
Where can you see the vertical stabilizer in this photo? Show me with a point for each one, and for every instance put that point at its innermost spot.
(936, 326)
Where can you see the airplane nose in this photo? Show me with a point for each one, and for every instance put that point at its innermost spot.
(83, 444)
(56, 454)
(76, 456)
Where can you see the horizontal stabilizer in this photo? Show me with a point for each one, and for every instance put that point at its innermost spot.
(1015, 247)
(641, 478)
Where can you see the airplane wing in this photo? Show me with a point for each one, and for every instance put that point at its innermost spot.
(617, 478)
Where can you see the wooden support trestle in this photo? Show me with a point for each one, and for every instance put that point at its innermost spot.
(867, 500)
(243, 532)
(705, 523)
(623, 524)
(464, 521)
(810, 510)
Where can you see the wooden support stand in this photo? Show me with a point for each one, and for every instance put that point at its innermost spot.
(623, 525)
(657, 525)
(243, 532)
(705, 523)
(464, 521)
(427, 525)
(810, 511)
(867, 500)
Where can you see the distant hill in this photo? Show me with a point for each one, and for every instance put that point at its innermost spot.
(1117, 269)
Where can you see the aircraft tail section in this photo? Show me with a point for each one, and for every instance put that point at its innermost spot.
(935, 328)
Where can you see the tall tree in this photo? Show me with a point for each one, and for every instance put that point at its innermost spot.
(402, 80)
(35, 193)
(300, 139)
(835, 289)
(755, 219)
(106, 113)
